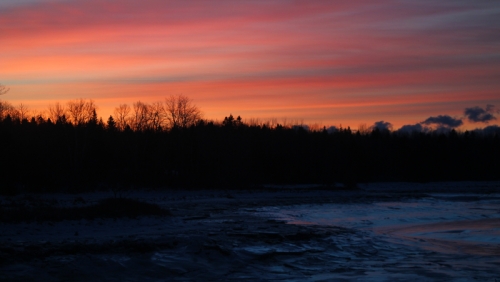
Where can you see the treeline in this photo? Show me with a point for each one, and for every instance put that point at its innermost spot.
(175, 111)
(81, 152)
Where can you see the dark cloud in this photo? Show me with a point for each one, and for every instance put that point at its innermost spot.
(490, 130)
(409, 128)
(332, 129)
(381, 125)
(478, 114)
(443, 121)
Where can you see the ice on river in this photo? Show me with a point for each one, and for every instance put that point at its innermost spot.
(449, 223)
(403, 232)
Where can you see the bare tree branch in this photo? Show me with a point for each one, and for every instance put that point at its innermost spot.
(6, 109)
(121, 114)
(180, 111)
(141, 116)
(157, 115)
(81, 111)
(57, 112)
(23, 111)
(3, 89)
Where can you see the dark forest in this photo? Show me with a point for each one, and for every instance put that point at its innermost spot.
(71, 155)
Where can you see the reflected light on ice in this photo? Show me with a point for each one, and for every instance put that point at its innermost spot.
(450, 223)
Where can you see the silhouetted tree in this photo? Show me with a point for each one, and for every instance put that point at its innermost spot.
(141, 116)
(6, 109)
(122, 116)
(81, 111)
(181, 112)
(23, 111)
(157, 116)
(111, 124)
(57, 112)
(228, 121)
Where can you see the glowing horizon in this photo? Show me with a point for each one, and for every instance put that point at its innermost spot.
(328, 62)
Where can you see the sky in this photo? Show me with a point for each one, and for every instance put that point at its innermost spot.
(403, 62)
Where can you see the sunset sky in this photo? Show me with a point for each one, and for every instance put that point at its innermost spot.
(329, 62)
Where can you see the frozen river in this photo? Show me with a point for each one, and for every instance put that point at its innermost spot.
(463, 217)
(461, 231)
(382, 232)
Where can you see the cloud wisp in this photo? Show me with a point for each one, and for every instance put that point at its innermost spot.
(443, 121)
